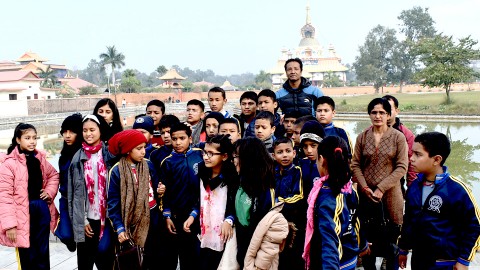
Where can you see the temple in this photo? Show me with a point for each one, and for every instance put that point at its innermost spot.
(316, 61)
(171, 80)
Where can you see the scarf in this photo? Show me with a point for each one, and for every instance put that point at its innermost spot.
(213, 202)
(134, 191)
(35, 176)
(312, 197)
(196, 131)
(90, 182)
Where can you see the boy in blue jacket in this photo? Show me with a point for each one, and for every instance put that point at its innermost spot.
(179, 173)
(289, 189)
(441, 224)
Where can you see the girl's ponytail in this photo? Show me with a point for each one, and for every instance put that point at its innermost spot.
(334, 150)
(20, 129)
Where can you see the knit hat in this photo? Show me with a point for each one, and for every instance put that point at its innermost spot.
(73, 123)
(144, 122)
(312, 130)
(124, 141)
(218, 116)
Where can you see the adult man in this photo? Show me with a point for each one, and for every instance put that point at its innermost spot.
(297, 93)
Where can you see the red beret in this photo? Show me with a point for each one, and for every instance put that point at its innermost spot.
(124, 141)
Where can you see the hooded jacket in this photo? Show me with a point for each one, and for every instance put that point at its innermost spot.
(300, 99)
(14, 204)
(265, 245)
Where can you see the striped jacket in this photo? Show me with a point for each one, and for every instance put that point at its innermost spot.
(289, 189)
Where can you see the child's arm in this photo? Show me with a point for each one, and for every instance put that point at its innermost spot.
(113, 200)
(327, 222)
(7, 204)
(469, 221)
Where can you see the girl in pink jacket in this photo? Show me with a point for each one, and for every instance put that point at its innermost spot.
(28, 185)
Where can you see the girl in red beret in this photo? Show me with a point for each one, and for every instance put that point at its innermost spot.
(134, 195)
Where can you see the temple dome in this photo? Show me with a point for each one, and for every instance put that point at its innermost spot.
(308, 42)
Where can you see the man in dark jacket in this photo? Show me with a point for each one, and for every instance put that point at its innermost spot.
(297, 93)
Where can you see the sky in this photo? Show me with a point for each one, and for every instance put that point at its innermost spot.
(228, 37)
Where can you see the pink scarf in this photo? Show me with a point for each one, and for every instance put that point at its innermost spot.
(90, 182)
(312, 197)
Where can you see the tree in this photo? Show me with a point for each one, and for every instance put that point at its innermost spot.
(48, 76)
(161, 70)
(115, 59)
(130, 83)
(330, 79)
(129, 73)
(445, 62)
(88, 90)
(374, 64)
(94, 73)
(263, 80)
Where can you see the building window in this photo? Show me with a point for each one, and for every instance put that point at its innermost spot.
(29, 97)
(12, 97)
(35, 96)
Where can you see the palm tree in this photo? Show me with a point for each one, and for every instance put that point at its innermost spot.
(48, 76)
(115, 59)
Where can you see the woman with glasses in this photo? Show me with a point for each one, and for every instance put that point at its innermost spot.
(218, 186)
(379, 162)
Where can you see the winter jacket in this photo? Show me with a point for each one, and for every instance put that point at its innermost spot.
(331, 130)
(179, 173)
(446, 228)
(77, 190)
(14, 204)
(289, 189)
(310, 174)
(300, 99)
(159, 154)
(264, 249)
(335, 241)
(279, 130)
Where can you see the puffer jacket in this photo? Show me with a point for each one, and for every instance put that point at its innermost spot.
(14, 204)
(264, 249)
(300, 99)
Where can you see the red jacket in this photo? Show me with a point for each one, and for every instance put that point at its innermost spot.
(14, 204)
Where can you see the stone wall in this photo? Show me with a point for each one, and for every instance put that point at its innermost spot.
(37, 107)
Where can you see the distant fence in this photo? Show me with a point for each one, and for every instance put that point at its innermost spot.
(37, 107)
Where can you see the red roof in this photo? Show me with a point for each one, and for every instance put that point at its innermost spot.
(10, 76)
(76, 83)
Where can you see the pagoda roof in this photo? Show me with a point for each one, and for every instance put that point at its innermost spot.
(169, 85)
(172, 74)
(76, 83)
(11, 76)
(31, 56)
(10, 67)
(36, 67)
(227, 86)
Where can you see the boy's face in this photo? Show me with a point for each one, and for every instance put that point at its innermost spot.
(181, 141)
(248, 106)
(284, 154)
(263, 129)
(194, 114)
(421, 162)
(137, 154)
(216, 101)
(288, 124)
(310, 148)
(296, 134)
(232, 130)
(156, 113)
(394, 113)
(211, 127)
(145, 133)
(324, 114)
(266, 104)
(166, 136)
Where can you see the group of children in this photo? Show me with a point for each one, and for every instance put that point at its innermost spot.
(280, 184)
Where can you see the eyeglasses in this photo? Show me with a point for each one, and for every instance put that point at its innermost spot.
(210, 154)
(382, 113)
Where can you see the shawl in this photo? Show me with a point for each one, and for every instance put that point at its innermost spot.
(212, 213)
(134, 192)
(90, 182)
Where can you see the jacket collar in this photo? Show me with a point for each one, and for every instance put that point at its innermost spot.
(439, 178)
(22, 158)
(188, 152)
(304, 84)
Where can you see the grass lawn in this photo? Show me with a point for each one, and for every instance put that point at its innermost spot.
(464, 103)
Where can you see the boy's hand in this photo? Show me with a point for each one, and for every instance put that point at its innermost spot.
(12, 234)
(226, 232)
(188, 223)
(122, 237)
(171, 226)
(459, 266)
(367, 251)
(160, 189)
(402, 261)
(88, 231)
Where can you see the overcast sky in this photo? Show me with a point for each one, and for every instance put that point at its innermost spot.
(229, 37)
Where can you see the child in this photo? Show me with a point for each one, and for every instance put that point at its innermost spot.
(289, 189)
(441, 222)
(28, 185)
(179, 173)
(144, 124)
(156, 110)
(218, 186)
(230, 126)
(133, 191)
(217, 100)
(159, 154)
(332, 237)
(195, 114)
(248, 105)
(87, 197)
(297, 127)
(256, 194)
(71, 132)
(108, 110)
(265, 129)
(324, 112)
(289, 122)
(266, 102)
(311, 136)
(210, 127)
